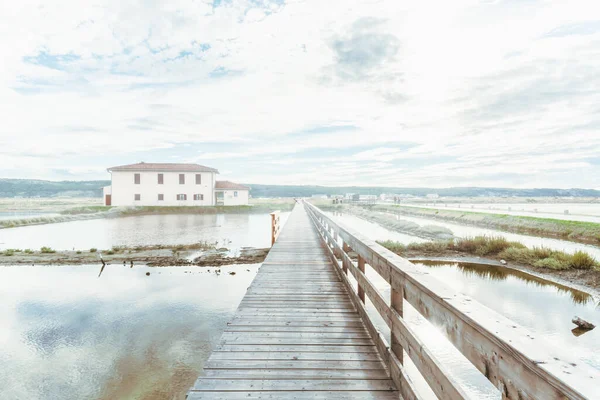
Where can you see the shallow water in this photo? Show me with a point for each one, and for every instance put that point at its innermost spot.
(228, 230)
(68, 335)
(378, 232)
(585, 212)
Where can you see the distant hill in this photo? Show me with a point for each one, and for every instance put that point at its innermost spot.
(306, 191)
(39, 188)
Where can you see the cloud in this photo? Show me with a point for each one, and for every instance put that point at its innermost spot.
(379, 93)
(363, 50)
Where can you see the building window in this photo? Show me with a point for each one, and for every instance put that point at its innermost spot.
(198, 197)
(182, 179)
(136, 179)
(161, 197)
(161, 179)
(198, 179)
(137, 197)
(234, 194)
(182, 197)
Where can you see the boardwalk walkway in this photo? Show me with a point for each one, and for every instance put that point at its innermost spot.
(296, 334)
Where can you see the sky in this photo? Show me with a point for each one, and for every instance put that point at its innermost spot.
(495, 93)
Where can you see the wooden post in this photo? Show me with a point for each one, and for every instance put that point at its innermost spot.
(361, 268)
(346, 250)
(397, 303)
(274, 226)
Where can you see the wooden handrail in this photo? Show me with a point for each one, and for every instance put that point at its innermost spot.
(519, 364)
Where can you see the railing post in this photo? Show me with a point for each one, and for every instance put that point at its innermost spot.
(346, 249)
(397, 304)
(361, 268)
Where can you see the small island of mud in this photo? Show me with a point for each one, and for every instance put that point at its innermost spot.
(196, 254)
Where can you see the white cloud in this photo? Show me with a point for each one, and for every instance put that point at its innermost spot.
(484, 91)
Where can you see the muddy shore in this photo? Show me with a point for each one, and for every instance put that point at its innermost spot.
(206, 255)
(588, 280)
(199, 254)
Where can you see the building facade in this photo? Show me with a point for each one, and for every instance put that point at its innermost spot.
(165, 184)
(231, 194)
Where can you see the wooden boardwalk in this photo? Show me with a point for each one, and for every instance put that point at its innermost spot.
(296, 333)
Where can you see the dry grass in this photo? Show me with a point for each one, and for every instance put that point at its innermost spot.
(500, 248)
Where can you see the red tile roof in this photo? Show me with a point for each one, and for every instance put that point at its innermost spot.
(163, 167)
(230, 185)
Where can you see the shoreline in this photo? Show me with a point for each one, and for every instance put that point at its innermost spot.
(101, 212)
(549, 275)
(573, 231)
(196, 254)
(587, 233)
(205, 256)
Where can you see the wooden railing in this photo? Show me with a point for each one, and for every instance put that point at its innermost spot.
(275, 226)
(521, 365)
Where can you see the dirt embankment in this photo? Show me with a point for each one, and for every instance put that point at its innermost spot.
(576, 231)
(198, 254)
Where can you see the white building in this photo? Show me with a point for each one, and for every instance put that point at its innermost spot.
(165, 184)
(231, 194)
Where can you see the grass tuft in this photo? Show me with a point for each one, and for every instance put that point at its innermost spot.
(581, 260)
(47, 250)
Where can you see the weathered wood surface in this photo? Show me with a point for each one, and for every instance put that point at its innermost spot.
(297, 333)
(520, 364)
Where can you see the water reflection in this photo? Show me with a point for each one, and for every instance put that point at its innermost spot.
(68, 335)
(229, 230)
(543, 307)
(498, 273)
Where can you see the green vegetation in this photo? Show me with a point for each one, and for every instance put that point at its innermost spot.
(86, 210)
(93, 250)
(263, 207)
(578, 231)
(8, 252)
(499, 247)
(47, 250)
(28, 251)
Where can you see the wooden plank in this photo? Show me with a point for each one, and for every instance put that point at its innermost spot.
(310, 348)
(329, 373)
(297, 355)
(294, 334)
(296, 329)
(234, 385)
(296, 395)
(293, 364)
(296, 341)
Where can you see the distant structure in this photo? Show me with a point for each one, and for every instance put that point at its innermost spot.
(433, 196)
(319, 196)
(169, 184)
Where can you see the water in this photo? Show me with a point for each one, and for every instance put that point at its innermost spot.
(530, 241)
(586, 212)
(372, 230)
(229, 230)
(69, 335)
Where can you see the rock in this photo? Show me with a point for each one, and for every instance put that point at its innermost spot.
(231, 273)
(147, 273)
(503, 262)
(583, 324)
